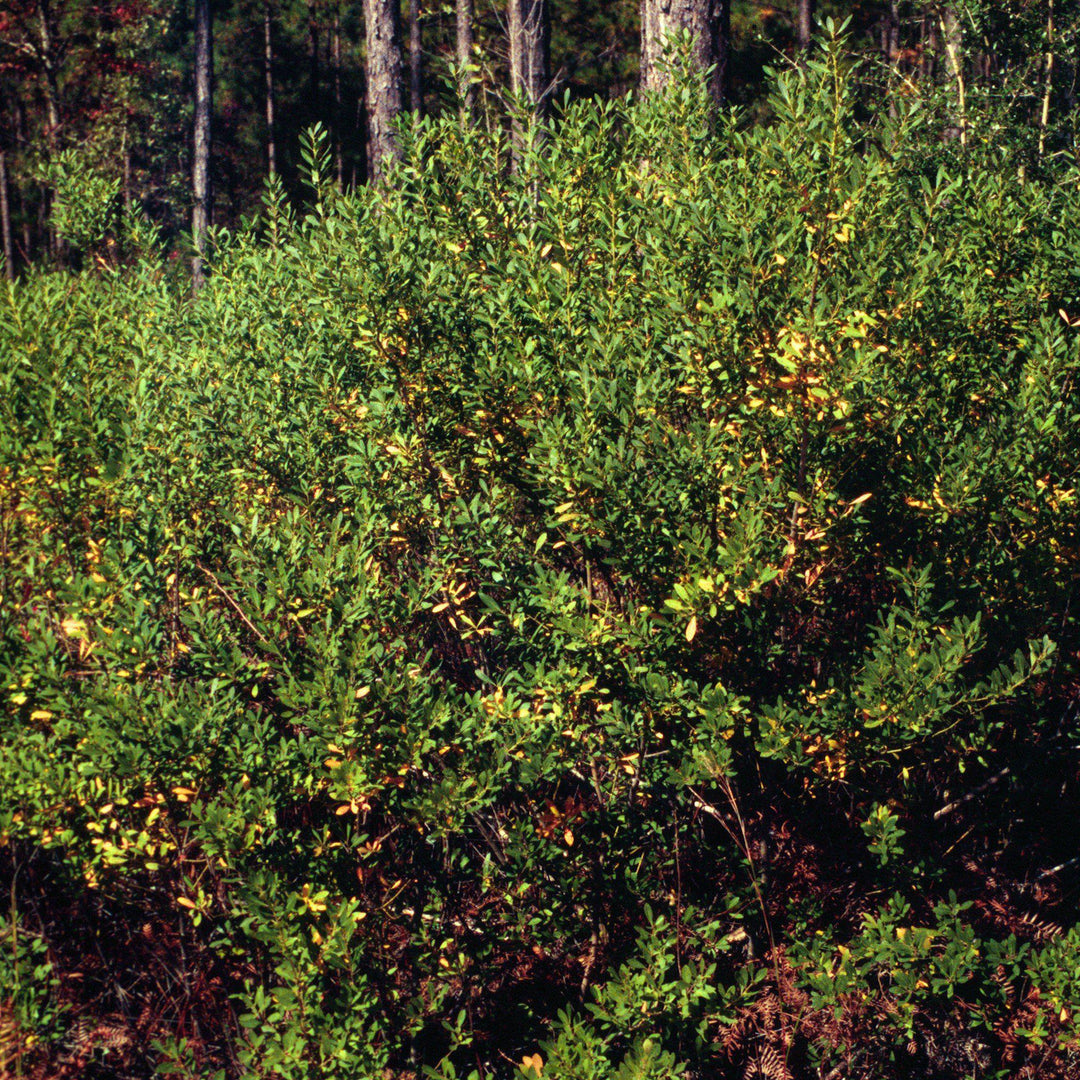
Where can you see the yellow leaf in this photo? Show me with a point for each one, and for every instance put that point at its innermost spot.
(183, 901)
(691, 628)
(41, 714)
(533, 1063)
(568, 836)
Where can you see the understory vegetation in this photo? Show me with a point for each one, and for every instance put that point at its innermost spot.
(613, 617)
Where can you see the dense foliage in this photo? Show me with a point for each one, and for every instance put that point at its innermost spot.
(614, 618)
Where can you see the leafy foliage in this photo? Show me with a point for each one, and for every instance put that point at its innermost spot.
(529, 621)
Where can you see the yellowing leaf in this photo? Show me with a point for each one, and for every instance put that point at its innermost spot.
(183, 901)
(691, 628)
(41, 714)
(568, 836)
(533, 1063)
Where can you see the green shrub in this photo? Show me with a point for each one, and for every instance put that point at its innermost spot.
(497, 615)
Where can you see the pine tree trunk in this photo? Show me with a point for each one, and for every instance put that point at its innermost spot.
(5, 219)
(125, 154)
(952, 32)
(200, 173)
(50, 88)
(1048, 85)
(48, 70)
(530, 57)
(416, 77)
(268, 73)
(383, 74)
(804, 25)
(930, 47)
(314, 75)
(339, 141)
(463, 47)
(892, 53)
(708, 23)
(27, 238)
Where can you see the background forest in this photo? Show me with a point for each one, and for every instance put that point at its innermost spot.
(108, 90)
(586, 592)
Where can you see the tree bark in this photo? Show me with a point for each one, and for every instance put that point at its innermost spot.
(382, 65)
(314, 75)
(125, 153)
(530, 53)
(416, 75)
(892, 34)
(339, 141)
(5, 219)
(930, 46)
(954, 59)
(200, 173)
(708, 23)
(1048, 85)
(268, 73)
(48, 70)
(463, 48)
(804, 25)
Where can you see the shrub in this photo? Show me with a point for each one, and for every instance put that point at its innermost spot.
(533, 620)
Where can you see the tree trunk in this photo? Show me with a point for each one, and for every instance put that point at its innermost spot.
(530, 54)
(200, 172)
(416, 78)
(930, 47)
(314, 75)
(708, 23)
(463, 47)
(125, 153)
(339, 141)
(48, 70)
(5, 220)
(52, 113)
(804, 25)
(892, 43)
(359, 161)
(954, 61)
(892, 53)
(1048, 86)
(268, 73)
(383, 73)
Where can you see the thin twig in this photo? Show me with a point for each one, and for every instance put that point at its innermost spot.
(948, 808)
(233, 604)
